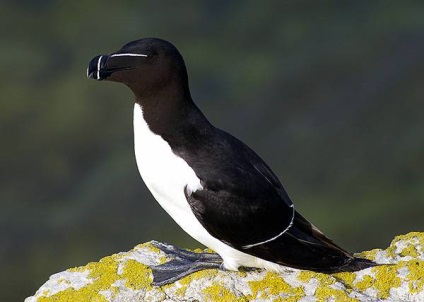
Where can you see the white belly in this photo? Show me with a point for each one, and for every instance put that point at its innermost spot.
(166, 176)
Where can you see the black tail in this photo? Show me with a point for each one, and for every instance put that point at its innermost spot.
(303, 246)
(353, 265)
(358, 264)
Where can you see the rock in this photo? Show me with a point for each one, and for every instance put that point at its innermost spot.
(127, 277)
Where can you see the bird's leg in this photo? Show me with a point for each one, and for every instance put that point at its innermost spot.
(183, 263)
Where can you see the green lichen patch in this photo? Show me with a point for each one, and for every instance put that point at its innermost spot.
(272, 285)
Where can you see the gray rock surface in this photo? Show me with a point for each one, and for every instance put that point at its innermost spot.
(126, 277)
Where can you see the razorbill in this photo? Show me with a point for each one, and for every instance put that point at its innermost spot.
(213, 185)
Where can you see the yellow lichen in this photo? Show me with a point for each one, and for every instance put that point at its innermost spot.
(323, 279)
(148, 246)
(185, 282)
(161, 259)
(362, 285)
(412, 239)
(409, 251)
(346, 278)
(136, 275)
(272, 285)
(103, 274)
(305, 276)
(70, 295)
(242, 274)
(415, 236)
(208, 273)
(219, 293)
(383, 279)
(206, 250)
(368, 254)
(180, 291)
(79, 269)
(415, 277)
(324, 291)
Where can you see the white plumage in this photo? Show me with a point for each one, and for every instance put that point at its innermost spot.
(166, 175)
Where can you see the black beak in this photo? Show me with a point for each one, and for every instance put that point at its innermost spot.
(95, 69)
(101, 67)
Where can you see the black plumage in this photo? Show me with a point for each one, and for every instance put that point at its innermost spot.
(242, 203)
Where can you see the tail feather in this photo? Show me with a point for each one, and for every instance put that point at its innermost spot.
(303, 246)
(351, 263)
(358, 264)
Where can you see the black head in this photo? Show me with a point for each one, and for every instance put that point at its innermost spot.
(148, 66)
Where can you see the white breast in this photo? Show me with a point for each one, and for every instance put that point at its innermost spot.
(166, 175)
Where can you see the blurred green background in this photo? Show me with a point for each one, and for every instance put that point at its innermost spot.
(329, 93)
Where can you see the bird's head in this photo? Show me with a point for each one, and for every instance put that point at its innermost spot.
(146, 66)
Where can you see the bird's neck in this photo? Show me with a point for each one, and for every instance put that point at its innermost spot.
(173, 115)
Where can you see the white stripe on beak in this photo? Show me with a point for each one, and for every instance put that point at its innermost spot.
(98, 67)
(128, 55)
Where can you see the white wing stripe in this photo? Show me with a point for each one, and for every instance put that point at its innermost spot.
(273, 238)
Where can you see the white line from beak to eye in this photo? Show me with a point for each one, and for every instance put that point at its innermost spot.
(98, 67)
(128, 55)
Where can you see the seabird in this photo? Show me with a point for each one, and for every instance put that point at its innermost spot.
(215, 187)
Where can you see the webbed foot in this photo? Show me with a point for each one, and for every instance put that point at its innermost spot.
(183, 264)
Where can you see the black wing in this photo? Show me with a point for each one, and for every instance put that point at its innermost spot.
(242, 202)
